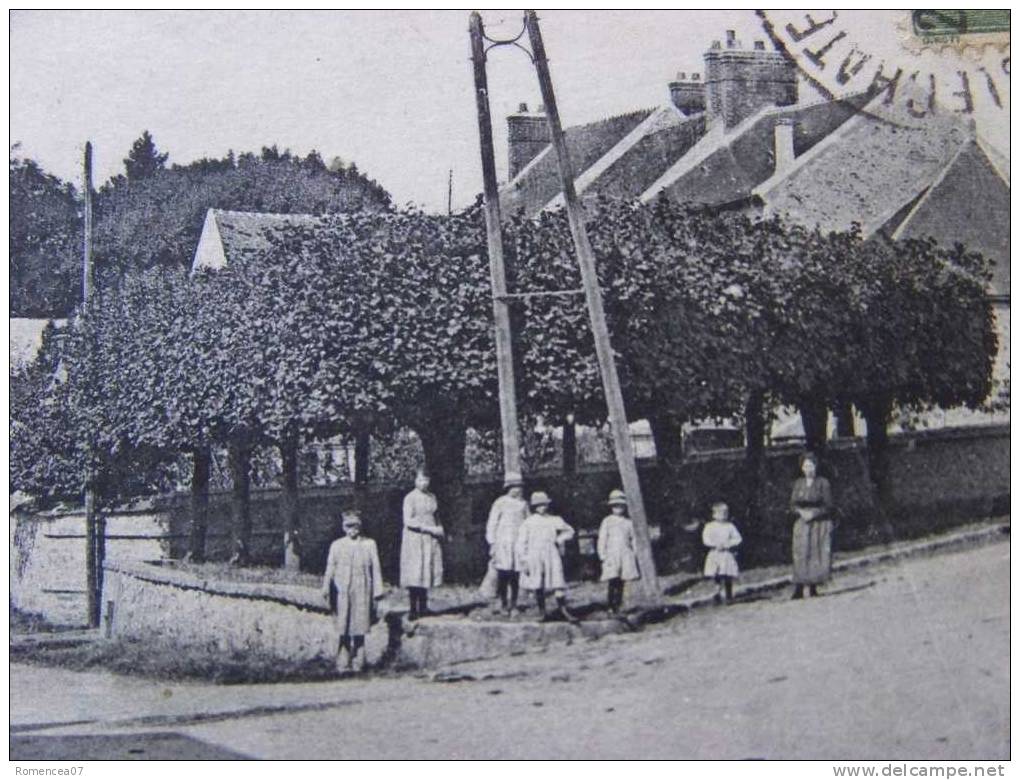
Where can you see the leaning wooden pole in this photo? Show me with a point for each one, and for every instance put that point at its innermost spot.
(497, 269)
(95, 541)
(648, 584)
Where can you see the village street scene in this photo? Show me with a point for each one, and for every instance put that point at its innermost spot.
(510, 385)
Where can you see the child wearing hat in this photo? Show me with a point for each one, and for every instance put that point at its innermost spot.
(721, 536)
(537, 551)
(616, 550)
(505, 518)
(353, 573)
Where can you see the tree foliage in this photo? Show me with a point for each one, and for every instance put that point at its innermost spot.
(144, 160)
(157, 220)
(377, 320)
(45, 242)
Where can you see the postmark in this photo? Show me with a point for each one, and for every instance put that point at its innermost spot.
(950, 61)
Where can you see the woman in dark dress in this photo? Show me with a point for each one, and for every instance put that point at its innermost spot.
(811, 504)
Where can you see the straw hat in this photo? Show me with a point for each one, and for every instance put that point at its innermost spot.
(350, 518)
(540, 498)
(617, 498)
(513, 479)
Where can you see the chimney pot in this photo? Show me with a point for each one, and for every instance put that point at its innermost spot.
(731, 39)
(716, 45)
(680, 76)
(759, 45)
(695, 77)
(522, 108)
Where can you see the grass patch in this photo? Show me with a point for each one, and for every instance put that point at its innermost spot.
(157, 660)
(32, 623)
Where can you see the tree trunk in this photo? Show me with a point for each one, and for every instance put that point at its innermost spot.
(814, 414)
(754, 455)
(443, 442)
(362, 457)
(667, 433)
(845, 420)
(569, 445)
(239, 458)
(289, 505)
(201, 462)
(877, 413)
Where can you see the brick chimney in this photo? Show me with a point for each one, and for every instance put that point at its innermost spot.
(528, 135)
(688, 93)
(739, 82)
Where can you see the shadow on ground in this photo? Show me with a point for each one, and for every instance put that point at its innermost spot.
(151, 746)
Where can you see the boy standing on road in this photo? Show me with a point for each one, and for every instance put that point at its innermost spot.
(353, 573)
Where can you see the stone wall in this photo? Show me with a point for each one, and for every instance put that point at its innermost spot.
(47, 570)
(141, 601)
(290, 623)
(940, 478)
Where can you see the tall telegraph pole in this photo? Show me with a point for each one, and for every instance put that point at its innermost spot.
(94, 533)
(497, 270)
(593, 295)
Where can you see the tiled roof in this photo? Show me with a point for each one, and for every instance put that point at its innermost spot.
(869, 169)
(726, 166)
(628, 171)
(539, 181)
(244, 234)
(967, 203)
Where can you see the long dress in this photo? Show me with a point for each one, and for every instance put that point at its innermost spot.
(421, 556)
(353, 569)
(721, 538)
(812, 531)
(505, 519)
(538, 552)
(616, 549)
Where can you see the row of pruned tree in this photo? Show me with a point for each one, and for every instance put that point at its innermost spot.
(371, 321)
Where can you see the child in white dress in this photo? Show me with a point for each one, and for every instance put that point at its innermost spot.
(616, 550)
(538, 553)
(721, 537)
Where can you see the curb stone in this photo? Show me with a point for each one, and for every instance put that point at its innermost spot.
(985, 535)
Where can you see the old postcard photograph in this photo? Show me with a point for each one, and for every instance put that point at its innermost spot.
(510, 385)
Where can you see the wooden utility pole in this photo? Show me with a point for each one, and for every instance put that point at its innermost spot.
(649, 584)
(497, 270)
(95, 533)
(449, 194)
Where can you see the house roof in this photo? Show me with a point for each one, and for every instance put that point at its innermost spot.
(644, 154)
(539, 181)
(726, 166)
(868, 169)
(966, 203)
(639, 158)
(228, 236)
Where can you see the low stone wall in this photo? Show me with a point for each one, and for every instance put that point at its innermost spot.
(143, 601)
(47, 570)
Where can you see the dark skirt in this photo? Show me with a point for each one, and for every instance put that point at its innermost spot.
(812, 551)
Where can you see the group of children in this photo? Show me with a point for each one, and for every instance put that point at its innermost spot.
(526, 546)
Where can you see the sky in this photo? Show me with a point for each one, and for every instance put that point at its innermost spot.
(391, 91)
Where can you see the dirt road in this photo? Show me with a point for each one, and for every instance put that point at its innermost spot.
(907, 660)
